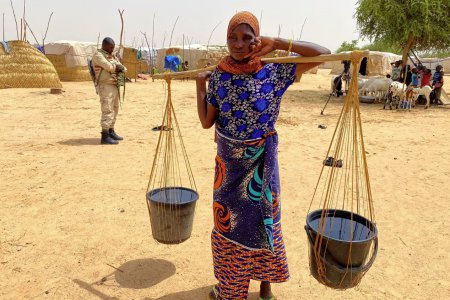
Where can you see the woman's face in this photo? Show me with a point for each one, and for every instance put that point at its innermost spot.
(239, 42)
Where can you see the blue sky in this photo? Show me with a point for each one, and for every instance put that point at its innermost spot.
(329, 22)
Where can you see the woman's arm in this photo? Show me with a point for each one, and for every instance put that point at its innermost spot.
(264, 45)
(206, 112)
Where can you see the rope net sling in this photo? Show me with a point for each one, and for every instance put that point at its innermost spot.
(343, 185)
(171, 185)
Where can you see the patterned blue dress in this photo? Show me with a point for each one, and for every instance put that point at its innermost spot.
(249, 104)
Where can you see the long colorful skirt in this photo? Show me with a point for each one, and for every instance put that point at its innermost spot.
(247, 241)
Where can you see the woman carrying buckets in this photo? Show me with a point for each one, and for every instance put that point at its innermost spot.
(243, 100)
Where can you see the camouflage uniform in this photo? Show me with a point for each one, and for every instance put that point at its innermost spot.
(106, 79)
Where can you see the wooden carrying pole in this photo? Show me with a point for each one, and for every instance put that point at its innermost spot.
(287, 59)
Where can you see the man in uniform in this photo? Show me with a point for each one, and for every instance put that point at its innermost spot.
(106, 67)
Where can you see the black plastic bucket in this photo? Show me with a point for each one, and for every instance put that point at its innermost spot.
(345, 261)
(171, 212)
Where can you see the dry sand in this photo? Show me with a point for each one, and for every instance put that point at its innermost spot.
(74, 223)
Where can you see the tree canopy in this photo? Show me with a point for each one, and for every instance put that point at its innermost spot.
(420, 24)
(348, 46)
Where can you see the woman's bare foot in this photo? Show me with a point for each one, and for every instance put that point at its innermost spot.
(265, 291)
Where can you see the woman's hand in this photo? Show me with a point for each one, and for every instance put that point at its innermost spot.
(261, 46)
(204, 76)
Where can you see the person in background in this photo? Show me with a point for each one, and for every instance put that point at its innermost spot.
(396, 70)
(186, 66)
(426, 78)
(438, 82)
(413, 84)
(106, 67)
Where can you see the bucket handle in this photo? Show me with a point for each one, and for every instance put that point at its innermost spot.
(362, 269)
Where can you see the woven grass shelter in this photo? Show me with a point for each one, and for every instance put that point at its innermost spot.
(68, 73)
(133, 63)
(197, 55)
(25, 67)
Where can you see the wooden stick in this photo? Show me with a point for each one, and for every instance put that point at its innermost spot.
(15, 19)
(32, 33)
(3, 26)
(215, 27)
(286, 59)
(173, 28)
(164, 40)
(301, 31)
(149, 51)
(121, 30)
(24, 22)
(46, 31)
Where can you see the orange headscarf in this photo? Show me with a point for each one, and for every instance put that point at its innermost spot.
(228, 64)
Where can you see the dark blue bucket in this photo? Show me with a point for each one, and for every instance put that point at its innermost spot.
(171, 212)
(345, 260)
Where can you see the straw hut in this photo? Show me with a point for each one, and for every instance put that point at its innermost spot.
(26, 67)
(70, 59)
(134, 63)
(197, 55)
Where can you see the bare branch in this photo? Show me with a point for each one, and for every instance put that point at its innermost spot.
(24, 22)
(209, 39)
(3, 26)
(301, 31)
(15, 19)
(173, 28)
(121, 30)
(32, 33)
(149, 51)
(164, 39)
(46, 31)
(153, 31)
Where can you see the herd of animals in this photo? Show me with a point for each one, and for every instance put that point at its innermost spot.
(380, 88)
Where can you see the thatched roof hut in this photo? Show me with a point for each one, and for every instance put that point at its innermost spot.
(197, 55)
(26, 67)
(133, 62)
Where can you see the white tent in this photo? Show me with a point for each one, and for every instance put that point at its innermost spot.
(378, 63)
(75, 53)
(70, 59)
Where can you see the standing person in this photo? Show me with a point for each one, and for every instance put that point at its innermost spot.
(243, 100)
(438, 82)
(106, 67)
(186, 66)
(396, 70)
(426, 78)
(413, 84)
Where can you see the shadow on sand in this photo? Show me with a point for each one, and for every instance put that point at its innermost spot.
(143, 273)
(81, 142)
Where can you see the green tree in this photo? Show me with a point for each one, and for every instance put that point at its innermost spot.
(381, 45)
(347, 46)
(422, 24)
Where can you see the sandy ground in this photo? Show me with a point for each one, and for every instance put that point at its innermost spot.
(74, 223)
